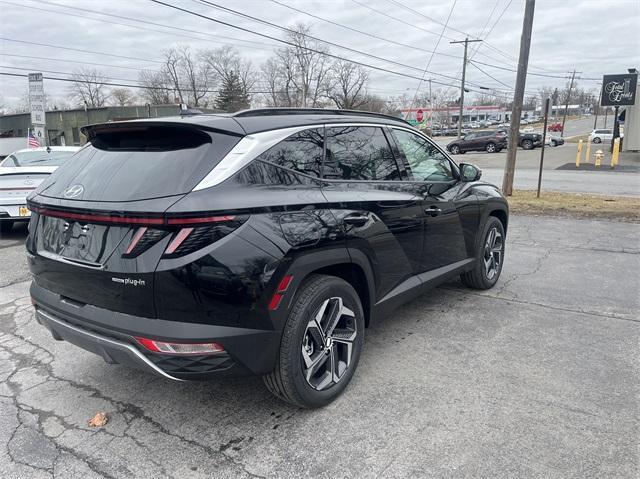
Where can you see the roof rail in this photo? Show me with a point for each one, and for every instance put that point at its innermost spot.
(311, 111)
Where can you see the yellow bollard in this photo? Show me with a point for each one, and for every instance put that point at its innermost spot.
(616, 152)
(599, 157)
(578, 154)
(587, 155)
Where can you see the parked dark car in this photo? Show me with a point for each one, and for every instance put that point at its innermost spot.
(526, 140)
(263, 242)
(491, 141)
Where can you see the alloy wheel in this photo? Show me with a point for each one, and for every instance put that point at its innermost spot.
(493, 250)
(491, 148)
(327, 344)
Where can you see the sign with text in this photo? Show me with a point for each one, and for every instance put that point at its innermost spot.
(619, 90)
(36, 99)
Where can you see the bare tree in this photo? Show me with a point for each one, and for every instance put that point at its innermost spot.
(122, 96)
(88, 88)
(196, 75)
(348, 84)
(158, 89)
(298, 75)
(227, 67)
(172, 68)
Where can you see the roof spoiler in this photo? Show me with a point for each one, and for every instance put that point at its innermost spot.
(312, 111)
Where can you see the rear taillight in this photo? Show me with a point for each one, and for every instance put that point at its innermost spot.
(192, 238)
(183, 349)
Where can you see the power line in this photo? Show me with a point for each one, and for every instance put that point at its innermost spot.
(398, 19)
(401, 5)
(312, 37)
(264, 35)
(74, 61)
(490, 76)
(91, 82)
(361, 32)
(146, 22)
(79, 50)
(453, 6)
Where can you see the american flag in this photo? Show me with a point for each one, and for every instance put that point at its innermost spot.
(33, 141)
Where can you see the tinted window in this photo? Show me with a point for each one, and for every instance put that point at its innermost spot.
(37, 158)
(425, 161)
(127, 168)
(301, 152)
(359, 153)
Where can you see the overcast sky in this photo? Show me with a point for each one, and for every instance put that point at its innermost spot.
(592, 36)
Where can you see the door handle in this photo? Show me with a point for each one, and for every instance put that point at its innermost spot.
(355, 219)
(433, 210)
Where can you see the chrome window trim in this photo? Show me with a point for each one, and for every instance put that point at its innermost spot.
(247, 149)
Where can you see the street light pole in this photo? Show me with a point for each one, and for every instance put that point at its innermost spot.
(466, 42)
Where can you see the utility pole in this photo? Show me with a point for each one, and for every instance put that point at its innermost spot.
(516, 112)
(466, 42)
(566, 105)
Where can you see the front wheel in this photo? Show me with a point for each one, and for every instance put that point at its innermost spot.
(455, 149)
(597, 140)
(527, 144)
(489, 257)
(321, 343)
(491, 148)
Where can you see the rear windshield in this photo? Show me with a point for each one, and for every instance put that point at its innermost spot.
(140, 164)
(37, 158)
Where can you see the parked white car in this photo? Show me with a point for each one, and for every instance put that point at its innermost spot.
(20, 173)
(598, 136)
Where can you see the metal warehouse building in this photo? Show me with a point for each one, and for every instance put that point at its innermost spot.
(63, 126)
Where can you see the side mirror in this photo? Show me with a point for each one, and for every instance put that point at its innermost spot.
(469, 172)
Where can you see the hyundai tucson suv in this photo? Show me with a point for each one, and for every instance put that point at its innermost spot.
(491, 141)
(263, 242)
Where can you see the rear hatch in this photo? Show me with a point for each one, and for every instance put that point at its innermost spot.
(99, 226)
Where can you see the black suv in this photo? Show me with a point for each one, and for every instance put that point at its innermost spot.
(490, 141)
(263, 242)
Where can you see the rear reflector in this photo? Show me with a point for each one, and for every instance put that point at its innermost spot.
(280, 290)
(179, 348)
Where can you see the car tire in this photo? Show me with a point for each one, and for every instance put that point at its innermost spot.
(527, 144)
(455, 149)
(6, 226)
(554, 143)
(489, 257)
(490, 148)
(597, 140)
(309, 374)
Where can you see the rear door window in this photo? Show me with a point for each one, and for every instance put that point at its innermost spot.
(301, 152)
(424, 160)
(359, 153)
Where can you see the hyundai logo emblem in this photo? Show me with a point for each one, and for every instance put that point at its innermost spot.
(73, 191)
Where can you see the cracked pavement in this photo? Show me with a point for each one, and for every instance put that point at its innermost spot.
(535, 378)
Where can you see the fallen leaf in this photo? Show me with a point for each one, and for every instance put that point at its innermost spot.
(99, 420)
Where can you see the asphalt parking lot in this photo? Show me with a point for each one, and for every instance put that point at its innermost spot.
(535, 378)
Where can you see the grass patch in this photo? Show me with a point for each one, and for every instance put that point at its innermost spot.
(576, 205)
(577, 138)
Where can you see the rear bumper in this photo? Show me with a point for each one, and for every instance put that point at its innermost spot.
(111, 334)
(10, 209)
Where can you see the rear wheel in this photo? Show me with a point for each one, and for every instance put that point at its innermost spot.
(6, 226)
(321, 343)
(489, 257)
(455, 149)
(527, 144)
(491, 148)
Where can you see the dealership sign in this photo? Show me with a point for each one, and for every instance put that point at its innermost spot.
(619, 90)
